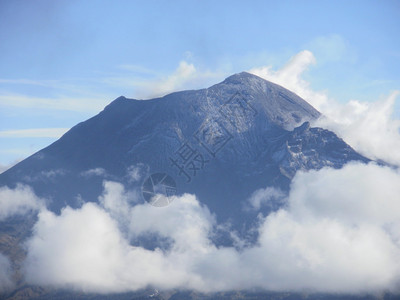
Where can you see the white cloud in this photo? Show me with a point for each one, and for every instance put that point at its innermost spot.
(367, 127)
(332, 48)
(186, 76)
(18, 201)
(137, 172)
(136, 69)
(186, 222)
(5, 274)
(78, 248)
(174, 222)
(159, 87)
(47, 175)
(355, 194)
(339, 232)
(84, 249)
(78, 104)
(116, 201)
(290, 77)
(183, 73)
(156, 84)
(23, 81)
(5, 167)
(33, 133)
(94, 172)
(51, 173)
(269, 197)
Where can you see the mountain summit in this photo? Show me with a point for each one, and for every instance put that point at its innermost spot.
(221, 144)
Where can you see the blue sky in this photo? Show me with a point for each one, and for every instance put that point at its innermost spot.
(62, 61)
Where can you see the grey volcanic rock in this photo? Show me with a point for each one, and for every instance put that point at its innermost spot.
(307, 148)
(220, 143)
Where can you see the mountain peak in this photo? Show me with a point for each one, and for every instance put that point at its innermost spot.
(250, 79)
(280, 106)
(241, 78)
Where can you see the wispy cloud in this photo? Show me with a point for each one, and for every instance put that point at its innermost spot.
(5, 167)
(23, 82)
(77, 94)
(185, 76)
(332, 48)
(137, 69)
(290, 77)
(93, 172)
(184, 73)
(78, 104)
(269, 197)
(34, 133)
(368, 127)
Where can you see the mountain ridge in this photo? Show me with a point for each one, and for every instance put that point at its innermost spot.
(246, 132)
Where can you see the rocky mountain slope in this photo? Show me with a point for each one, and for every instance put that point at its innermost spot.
(220, 143)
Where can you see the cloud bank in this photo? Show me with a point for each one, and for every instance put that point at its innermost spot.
(338, 232)
(368, 127)
(18, 201)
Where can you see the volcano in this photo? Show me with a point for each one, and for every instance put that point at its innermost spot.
(221, 143)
